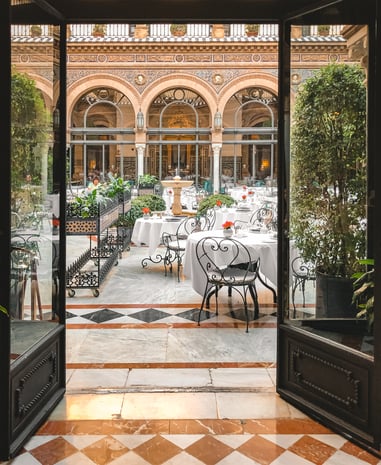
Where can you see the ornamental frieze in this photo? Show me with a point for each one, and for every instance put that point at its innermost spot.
(198, 58)
(315, 57)
(269, 58)
(121, 58)
(237, 58)
(83, 58)
(160, 58)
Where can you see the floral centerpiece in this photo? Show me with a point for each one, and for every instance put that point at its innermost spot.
(228, 228)
(218, 203)
(146, 212)
(244, 197)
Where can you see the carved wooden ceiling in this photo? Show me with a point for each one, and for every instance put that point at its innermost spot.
(145, 11)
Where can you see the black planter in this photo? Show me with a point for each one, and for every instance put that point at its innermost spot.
(334, 297)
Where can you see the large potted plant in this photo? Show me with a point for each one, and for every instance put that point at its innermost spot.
(328, 182)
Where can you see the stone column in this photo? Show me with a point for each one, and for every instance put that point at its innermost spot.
(216, 167)
(140, 150)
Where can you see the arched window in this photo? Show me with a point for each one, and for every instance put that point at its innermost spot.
(249, 140)
(102, 136)
(179, 135)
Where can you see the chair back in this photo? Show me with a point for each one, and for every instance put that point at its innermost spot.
(226, 261)
(303, 270)
(211, 217)
(264, 217)
(192, 224)
(187, 226)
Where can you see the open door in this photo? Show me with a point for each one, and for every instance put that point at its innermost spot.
(328, 351)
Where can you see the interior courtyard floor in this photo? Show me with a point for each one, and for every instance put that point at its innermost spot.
(147, 386)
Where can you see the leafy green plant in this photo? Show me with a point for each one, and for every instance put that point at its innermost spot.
(87, 204)
(178, 29)
(212, 200)
(147, 180)
(328, 170)
(252, 29)
(29, 131)
(115, 186)
(4, 310)
(151, 201)
(363, 295)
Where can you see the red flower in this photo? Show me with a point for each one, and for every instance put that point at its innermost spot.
(251, 193)
(244, 188)
(244, 197)
(218, 203)
(228, 224)
(146, 210)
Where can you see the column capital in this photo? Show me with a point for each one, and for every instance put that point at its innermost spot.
(216, 146)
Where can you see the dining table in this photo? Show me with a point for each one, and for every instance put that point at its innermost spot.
(260, 245)
(149, 231)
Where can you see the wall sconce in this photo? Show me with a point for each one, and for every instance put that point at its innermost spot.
(139, 120)
(217, 121)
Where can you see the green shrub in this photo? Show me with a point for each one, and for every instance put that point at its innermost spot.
(210, 202)
(153, 202)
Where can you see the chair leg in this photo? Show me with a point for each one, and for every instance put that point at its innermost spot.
(254, 296)
(179, 263)
(246, 311)
(204, 297)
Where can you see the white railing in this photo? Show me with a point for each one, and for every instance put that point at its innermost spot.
(163, 30)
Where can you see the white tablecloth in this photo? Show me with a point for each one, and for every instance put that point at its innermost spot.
(260, 245)
(232, 214)
(150, 231)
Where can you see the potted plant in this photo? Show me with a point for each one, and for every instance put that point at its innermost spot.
(252, 29)
(151, 201)
(178, 29)
(35, 30)
(99, 30)
(323, 29)
(227, 228)
(147, 181)
(328, 182)
(212, 201)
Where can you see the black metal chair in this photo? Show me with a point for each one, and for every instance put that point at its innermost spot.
(301, 273)
(264, 217)
(211, 216)
(175, 243)
(227, 262)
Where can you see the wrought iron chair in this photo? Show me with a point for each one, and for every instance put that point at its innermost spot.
(211, 216)
(24, 260)
(227, 262)
(301, 273)
(175, 243)
(264, 217)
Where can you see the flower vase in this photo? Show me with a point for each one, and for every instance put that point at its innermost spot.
(228, 232)
(146, 216)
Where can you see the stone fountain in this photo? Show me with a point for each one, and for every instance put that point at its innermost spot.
(176, 184)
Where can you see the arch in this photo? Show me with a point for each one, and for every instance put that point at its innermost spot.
(263, 80)
(45, 87)
(76, 90)
(179, 80)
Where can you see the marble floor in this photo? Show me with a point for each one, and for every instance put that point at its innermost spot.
(147, 386)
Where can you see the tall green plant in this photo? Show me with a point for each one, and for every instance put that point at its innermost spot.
(328, 169)
(28, 130)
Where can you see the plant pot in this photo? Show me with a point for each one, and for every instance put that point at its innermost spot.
(228, 232)
(334, 297)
